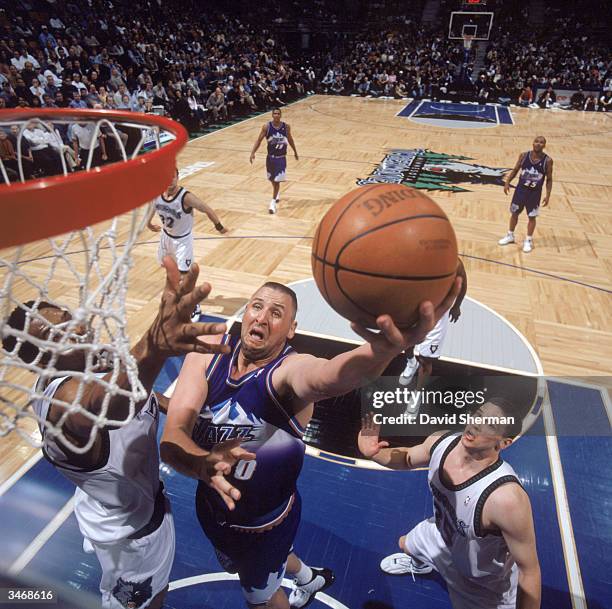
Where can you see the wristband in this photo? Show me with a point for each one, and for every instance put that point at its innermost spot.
(219, 226)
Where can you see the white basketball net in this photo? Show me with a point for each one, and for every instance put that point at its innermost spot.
(85, 273)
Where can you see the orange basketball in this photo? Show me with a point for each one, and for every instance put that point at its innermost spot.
(384, 248)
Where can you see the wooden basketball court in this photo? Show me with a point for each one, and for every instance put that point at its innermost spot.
(558, 296)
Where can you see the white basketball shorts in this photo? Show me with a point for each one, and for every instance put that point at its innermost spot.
(432, 345)
(134, 571)
(180, 248)
(425, 543)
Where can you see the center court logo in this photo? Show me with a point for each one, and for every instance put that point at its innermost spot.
(428, 170)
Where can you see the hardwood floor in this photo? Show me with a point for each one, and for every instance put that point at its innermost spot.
(559, 295)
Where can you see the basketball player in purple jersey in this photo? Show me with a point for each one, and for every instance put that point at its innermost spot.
(278, 135)
(263, 392)
(533, 166)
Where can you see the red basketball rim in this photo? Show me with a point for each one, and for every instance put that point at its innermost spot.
(47, 207)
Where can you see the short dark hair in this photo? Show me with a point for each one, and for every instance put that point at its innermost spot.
(17, 320)
(510, 411)
(275, 109)
(279, 287)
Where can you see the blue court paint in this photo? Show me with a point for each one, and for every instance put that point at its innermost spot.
(586, 453)
(456, 115)
(28, 506)
(505, 116)
(352, 518)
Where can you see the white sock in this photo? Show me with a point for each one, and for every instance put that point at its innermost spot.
(304, 575)
(510, 233)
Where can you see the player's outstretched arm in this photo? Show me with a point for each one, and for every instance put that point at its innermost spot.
(177, 447)
(149, 220)
(292, 143)
(455, 311)
(258, 141)
(508, 508)
(171, 333)
(192, 201)
(371, 447)
(549, 182)
(308, 379)
(513, 173)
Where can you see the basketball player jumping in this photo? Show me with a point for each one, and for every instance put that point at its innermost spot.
(120, 505)
(263, 392)
(533, 166)
(278, 135)
(421, 357)
(481, 538)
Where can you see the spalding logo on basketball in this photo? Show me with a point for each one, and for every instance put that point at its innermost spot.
(384, 248)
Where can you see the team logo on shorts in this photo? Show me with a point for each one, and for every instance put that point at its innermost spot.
(433, 348)
(428, 170)
(133, 594)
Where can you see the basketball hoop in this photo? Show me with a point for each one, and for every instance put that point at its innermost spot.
(67, 240)
(467, 41)
(56, 202)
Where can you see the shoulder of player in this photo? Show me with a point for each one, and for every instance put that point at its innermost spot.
(189, 200)
(297, 359)
(291, 365)
(431, 442)
(194, 361)
(507, 502)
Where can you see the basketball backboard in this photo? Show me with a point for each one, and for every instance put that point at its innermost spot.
(470, 23)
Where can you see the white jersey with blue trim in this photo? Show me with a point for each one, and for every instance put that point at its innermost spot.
(476, 553)
(115, 498)
(177, 221)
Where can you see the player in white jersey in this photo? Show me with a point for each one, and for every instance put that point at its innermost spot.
(481, 538)
(120, 505)
(421, 357)
(175, 209)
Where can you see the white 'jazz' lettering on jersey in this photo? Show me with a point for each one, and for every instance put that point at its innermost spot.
(177, 222)
(117, 498)
(458, 513)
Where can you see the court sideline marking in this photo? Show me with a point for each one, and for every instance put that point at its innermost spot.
(42, 538)
(31, 462)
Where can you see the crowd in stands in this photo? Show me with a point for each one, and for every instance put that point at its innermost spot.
(206, 67)
(527, 64)
(406, 62)
(135, 56)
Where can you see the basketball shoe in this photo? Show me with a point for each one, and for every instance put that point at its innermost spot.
(509, 238)
(412, 365)
(272, 206)
(302, 596)
(527, 245)
(401, 564)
